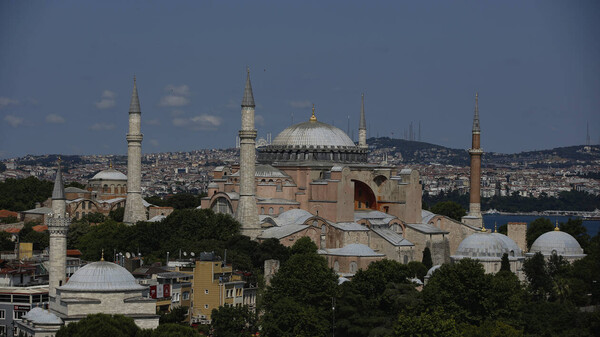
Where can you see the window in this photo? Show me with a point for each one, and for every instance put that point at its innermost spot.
(2, 330)
(206, 291)
(2, 314)
(270, 210)
(336, 266)
(17, 314)
(353, 267)
(186, 295)
(206, 306)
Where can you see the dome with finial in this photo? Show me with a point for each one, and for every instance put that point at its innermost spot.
(110, 174)
(557, 242)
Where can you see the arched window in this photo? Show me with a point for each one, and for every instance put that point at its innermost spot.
(280, 210)
(271, 210)
(323, 229)
(262, 210)
(76, 215)
(222, 205)
(353, 267)
(105, 190)
(336, 266)
(405, 259)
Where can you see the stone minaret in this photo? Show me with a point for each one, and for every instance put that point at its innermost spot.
(474, 217)
(134, 207)
(362, 127)
(247, 212)
(58, 225)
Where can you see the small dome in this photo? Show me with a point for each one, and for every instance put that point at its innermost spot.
(480, 245)
(102, 276)
(313, 133)
(110, 174)
(293, 216)
(41, 316)
(557, 242)
(432, 270)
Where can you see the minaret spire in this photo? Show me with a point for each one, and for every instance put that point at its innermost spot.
(476, 116)
(362, 126)
(247, 212)
(248, 99)
(58, 226)
(134, 206)
(474, 217)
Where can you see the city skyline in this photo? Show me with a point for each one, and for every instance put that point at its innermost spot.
(68, 69)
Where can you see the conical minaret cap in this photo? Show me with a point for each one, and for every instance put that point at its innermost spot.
(58, 193)
(476, 117)
(363, 120)
(134, 106)
(248, 100)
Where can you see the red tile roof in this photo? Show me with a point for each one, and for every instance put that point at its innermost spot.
(6, 213)
(40, 228)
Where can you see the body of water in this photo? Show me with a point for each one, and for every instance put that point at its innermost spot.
(593, 226)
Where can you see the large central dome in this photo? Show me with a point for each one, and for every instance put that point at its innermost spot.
(313, 133)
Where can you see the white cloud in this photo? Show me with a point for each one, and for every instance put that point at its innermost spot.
(102, 127)
(154, 142)
(182, 90)
(153, 122)
(13, 121)
(200, 122)
(177, 95)
(107, 100)
(300, 104)
(54, 119)
(259, 120)
(5, 101)
(172, 100)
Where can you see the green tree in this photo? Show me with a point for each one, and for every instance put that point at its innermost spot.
(176, 315)
(100, 325)
(172, 330)
(429, 323)
(117, 214)
(462, 289)
(75, 184)
(538, 276)
(304, 245)
(298, 301)
(506, 298)
(417, 269)
(22, 194)
(229, 321)
(491, 329)
(427, 261)
(505, 264)
(6, 242)
(77, 229)
(536, 228)
(450, 209)
(108, 236)
(270, 249)
(576, 228)
(40, 240)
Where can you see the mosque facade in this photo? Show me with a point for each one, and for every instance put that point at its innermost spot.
(313, 180)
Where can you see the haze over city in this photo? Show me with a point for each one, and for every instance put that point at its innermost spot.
(66, 71)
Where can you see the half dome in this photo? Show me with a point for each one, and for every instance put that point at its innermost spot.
(102, 276)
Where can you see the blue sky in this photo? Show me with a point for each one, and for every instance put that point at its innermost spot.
(66, 70)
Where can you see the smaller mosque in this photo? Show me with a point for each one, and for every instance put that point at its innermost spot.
(98, 287)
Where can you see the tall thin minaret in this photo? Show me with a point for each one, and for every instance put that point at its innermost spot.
(134, 207)
(247, 212)
(362, 126)
(474, 217)
(58, 225)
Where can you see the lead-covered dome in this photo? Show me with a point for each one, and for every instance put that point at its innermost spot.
(313, 133)
(309, 143)
(110, 174)
(480, 245)
(557, 242)
(101, 276)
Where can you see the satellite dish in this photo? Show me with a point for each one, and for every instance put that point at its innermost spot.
(184, 254)
(193, 254)
(128, 255)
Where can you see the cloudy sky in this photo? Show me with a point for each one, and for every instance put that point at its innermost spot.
(66, 70)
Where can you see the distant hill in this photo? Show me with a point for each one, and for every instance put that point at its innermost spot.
(414, 152)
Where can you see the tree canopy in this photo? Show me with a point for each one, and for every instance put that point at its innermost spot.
(450, 209)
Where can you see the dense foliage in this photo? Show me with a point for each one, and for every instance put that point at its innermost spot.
(177, 201)
(22, 194)
(566, 201)
(450, 209)
(102, 325)
(230, 321)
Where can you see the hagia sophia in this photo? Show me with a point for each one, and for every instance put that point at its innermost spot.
(311, 181)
